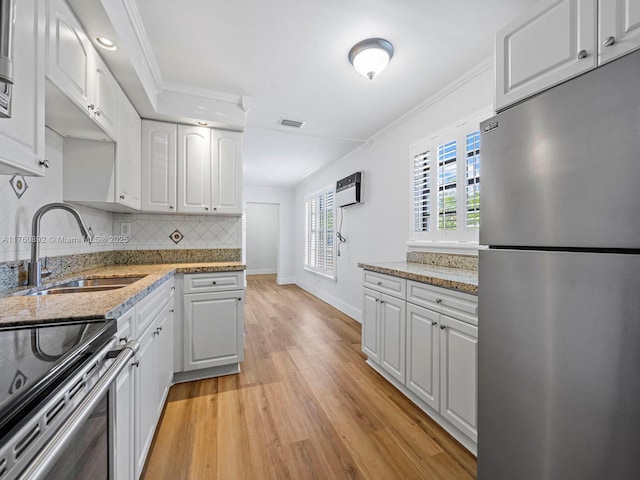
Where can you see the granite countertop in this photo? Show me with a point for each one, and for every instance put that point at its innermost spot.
(459, 279)
(17, 309)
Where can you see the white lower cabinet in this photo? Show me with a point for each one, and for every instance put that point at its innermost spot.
(421, 347)
(213, 320)
(214, 324)
(383, 337)
(459, 374)
(125, 406)
(423, 354)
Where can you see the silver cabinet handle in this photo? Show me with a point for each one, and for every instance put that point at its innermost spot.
(379, 283)
(442, 327)
(156, 333)
(136, 364)
(214, 282)
(582, 54)
(206, 208)
(433, 324)
(171, 207)
(438, 300)
(609, 41)
(45, 163)
(98, 112)
(377, 300)
(121, 197)
(91, 106)
(215, 208)
(124, 339)
(239, 299)
(381, 301)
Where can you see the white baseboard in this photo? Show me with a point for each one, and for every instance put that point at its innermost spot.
(345, 308)
(285, 280)
(261, 271)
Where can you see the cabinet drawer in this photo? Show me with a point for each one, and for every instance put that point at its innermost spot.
(456, 304)
(388, 284)
(150, 306)
(213, 282)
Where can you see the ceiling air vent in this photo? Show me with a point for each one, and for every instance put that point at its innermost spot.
(287, 122)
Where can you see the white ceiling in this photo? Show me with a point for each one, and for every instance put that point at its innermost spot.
(290, 57)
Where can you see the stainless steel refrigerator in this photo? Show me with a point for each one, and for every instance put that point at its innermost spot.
(559, 284)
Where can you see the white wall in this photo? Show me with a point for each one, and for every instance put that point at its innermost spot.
(378, 230)
(284, 198)
(58, 227)
(262, 238)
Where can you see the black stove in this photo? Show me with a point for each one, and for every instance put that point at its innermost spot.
(35, 360)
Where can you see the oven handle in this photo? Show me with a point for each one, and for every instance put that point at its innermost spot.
(45, 459)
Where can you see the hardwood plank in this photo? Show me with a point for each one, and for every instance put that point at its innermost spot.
(305, 406)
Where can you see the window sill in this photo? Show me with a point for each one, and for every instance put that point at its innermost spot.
(322, 274)
(456, 248)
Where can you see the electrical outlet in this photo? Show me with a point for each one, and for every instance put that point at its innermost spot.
(125, 229)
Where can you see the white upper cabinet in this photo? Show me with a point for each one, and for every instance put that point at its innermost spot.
(619, 28)
(159, 166)
(105, 108)
(227, 171)
(560, 39)
(188, 169)
(70, 55)
(128, 186)
(82, 97)
(194, 169)
(552, 42)
(22, 135)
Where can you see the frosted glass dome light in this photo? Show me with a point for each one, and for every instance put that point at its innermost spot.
(369, 57)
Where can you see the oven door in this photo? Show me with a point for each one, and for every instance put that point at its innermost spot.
(82, 448)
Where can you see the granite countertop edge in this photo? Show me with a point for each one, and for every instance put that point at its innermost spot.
(19, 310)
(459, 279)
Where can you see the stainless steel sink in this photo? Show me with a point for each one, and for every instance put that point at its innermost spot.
(85, 285)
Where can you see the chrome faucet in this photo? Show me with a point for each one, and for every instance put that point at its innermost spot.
(35, 265)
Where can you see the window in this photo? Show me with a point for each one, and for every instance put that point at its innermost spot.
(318, 238)
(446, 184)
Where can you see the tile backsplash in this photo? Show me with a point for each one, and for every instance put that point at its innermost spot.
(59, 229)
(153, 232)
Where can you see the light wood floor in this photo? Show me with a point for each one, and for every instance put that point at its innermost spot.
(305, 406)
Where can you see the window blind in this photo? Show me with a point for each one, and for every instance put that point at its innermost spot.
(319, 233)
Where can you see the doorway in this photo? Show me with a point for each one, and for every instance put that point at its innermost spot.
(262, 237)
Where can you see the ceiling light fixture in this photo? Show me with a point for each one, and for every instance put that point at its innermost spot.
(371, 56)
(106, 43)
(203, 124)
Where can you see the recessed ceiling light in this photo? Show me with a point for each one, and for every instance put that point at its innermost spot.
(204, 124)
(106, 43)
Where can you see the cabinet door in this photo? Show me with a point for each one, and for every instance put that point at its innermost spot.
(105, 108)
(227, 171)
(128, 188)
(146, 397)
(124, 412)
(22, 135)
(70, 55)
(194, 169)
(619, 28)
(393, 327)
(552, 42)
(164, 354)
(371, 324)
(423, 354)
(159, 166)
(459, 375)
(214, 329)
